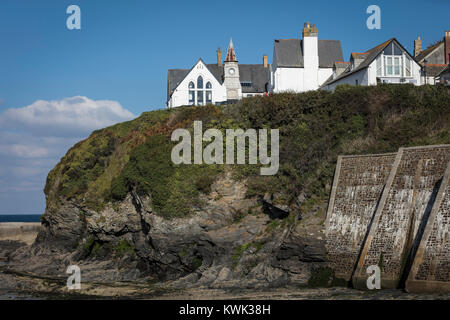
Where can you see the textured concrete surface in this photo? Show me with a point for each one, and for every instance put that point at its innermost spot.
(402, 213)
(430, 271)
(357, 187)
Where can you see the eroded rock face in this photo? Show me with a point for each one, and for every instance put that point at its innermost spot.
(215, 247)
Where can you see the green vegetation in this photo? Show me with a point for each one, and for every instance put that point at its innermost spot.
(315, 127)
(242, 248)
(196, 263)
(122, 248)
(324, 278)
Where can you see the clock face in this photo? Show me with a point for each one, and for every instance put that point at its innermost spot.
(231, 71)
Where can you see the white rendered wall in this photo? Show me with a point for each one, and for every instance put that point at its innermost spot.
(310, 63)
(288, 79)
(324, 74)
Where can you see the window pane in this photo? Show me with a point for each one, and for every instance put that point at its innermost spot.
(199, 97)
(208, 85)
(208, 95)
(199, 82)
(191, 85)
(407, 66)
(397, 66)
(191, 97)
(379, 65)
(389, 50)
(389, 66)
(397, 51)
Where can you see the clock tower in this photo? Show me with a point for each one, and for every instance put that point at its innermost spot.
(231, 75)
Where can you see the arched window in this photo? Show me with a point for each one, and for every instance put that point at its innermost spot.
(199, 82)
(208, 92)
(191, 93)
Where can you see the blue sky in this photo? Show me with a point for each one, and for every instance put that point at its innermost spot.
(117, 63)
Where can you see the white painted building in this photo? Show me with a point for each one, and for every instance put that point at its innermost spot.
(303, 64)
(388, 62)
(216, 83)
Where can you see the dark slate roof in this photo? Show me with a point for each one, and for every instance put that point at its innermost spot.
(254, 73)
(432, 70)
(289, 53)
(370, 56)
(427, 51)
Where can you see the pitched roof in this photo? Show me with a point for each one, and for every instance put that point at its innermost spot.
(422, 55)
(370, 55)
(446, 69)
(289, 53)
(254, 74)
(432, 70)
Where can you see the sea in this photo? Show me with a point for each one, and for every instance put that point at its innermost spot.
(20, 218)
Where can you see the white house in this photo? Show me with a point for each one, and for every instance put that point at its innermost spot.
(388, 62)
(216, 83)
(303, 64)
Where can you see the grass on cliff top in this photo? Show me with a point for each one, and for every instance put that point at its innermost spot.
(315, 127)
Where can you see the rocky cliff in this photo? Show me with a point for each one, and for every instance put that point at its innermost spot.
(121, 210)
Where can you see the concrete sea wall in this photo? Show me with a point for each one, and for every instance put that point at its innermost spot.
(392, 210)
(430, 271)
(19, 231)
(357, 187)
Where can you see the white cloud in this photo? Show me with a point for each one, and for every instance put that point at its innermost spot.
(34, 138)
(69, 116)
(23, 151)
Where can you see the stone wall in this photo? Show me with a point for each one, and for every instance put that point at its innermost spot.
(357, 187)
(398, 222)
(431, 268)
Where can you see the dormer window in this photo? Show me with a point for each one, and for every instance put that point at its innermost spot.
(393, 62)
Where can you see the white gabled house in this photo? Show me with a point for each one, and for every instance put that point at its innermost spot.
(388, 62)
(303, 64)
(197, 86)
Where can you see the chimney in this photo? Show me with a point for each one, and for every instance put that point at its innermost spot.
(310, 48)
(417, 47)
(447, 47)
(309, 30)
(219, 57)
(265, 61)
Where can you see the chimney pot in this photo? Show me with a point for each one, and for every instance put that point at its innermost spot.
(265, 61)
(219, 57)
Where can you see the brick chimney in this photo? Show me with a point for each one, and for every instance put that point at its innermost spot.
(219, 57)
(265, 61)
(417, 47)
(447, 47)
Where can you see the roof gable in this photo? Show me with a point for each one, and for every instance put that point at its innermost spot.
(176, 76)
(370, 55)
